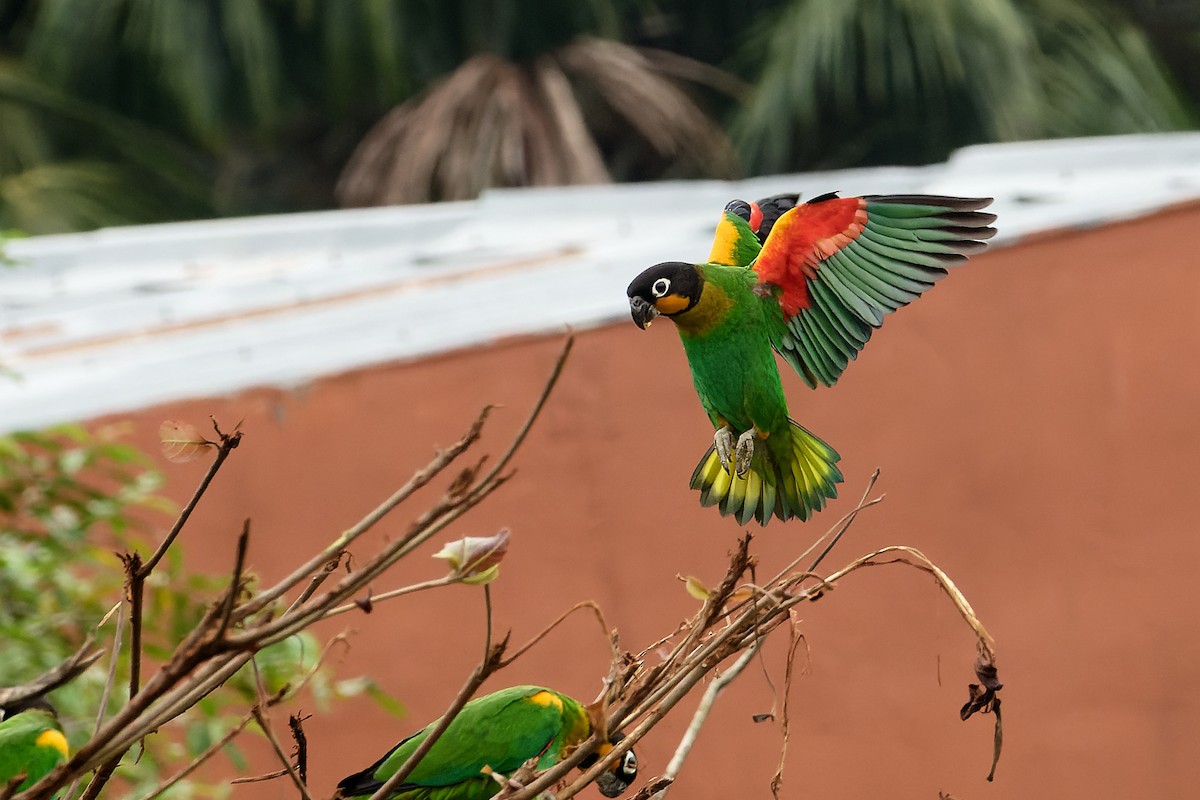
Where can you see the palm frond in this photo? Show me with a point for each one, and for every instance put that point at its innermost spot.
(80, 195)
(494, 122)
(150, 150)
(879, 80)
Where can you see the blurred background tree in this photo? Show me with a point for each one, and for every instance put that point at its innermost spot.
(117, 111)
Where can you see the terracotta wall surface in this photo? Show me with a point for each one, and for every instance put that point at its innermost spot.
(1035, 419)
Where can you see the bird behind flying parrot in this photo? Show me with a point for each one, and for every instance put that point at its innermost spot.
(501, 731)
(31, 742)
(811, 282)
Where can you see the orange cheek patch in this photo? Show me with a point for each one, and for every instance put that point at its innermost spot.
(671, 304)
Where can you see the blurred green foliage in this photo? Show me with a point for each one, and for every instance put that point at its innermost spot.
(69, 502)
(115, 111)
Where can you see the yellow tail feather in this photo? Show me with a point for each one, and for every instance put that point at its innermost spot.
(791, 474)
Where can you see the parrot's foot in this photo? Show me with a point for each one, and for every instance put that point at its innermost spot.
(745, 451)
(723, 441)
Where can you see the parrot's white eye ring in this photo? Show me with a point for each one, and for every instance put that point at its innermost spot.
(661, 287)
(629, 762)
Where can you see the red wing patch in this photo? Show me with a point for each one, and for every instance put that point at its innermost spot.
(800, 239)
(756, 217)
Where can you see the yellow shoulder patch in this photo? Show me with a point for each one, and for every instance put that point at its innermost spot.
(544, 698)
(724, 243)
(54, 739)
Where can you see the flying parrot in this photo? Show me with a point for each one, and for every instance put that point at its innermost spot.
(31, 742)
(811, 282)
(501, 731)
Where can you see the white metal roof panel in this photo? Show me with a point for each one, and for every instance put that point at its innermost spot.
(122, 318)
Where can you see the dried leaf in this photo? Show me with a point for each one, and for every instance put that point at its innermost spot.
(982, 698)
(476, 559)
(695, 587)
(464, 480)
(740, 596)
(365, 603)
(181, 441)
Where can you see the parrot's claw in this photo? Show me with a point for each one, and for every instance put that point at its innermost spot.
(745, 451)
(723, 441)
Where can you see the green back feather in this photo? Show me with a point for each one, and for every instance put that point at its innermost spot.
(20, 751)
(500, 730)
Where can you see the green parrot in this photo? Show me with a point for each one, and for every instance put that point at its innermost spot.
(501, 731)
(31, 742)
(809, 282)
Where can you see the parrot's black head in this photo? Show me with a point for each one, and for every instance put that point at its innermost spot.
(37, 703)
(669, 289)
(614, 781)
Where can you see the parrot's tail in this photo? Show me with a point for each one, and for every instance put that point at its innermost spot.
(791, 474)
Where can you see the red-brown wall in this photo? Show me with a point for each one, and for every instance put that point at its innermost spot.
(1035, 418)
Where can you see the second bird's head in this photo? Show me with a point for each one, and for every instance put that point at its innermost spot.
(614, 781)
(669, 288)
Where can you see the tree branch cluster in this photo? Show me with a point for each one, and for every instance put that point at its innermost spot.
(716, 643)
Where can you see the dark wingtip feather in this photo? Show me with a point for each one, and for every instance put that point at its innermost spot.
(941, 201)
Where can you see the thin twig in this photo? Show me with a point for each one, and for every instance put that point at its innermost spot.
(135, 586)
(487, 616)
(266, 776)
(224, 448)
(334, 550)
(786, 732)
(283, 758)
(282, 696)
(296, 725)
(476, 679)
(235, 582)
(701, 716)
(196, 762)
(379, 598)
(68, 670)
(452, 506)
(330, 566)
(109, 682)
(847, 521)
(589, 604)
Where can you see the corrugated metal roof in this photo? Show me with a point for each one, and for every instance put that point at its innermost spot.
(122, 318)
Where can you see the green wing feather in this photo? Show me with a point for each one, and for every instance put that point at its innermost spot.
(500, 730)
(836, 282)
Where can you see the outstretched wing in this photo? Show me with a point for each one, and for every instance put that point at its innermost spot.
(836, 266)
(744, 227)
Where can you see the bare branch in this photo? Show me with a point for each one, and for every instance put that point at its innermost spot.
(283, 758)
(334, 550)
(84, 657)
(701, 716)
(224, 448)
(478, 676)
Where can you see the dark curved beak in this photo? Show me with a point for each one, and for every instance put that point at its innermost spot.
(643, 313)
(609, 783)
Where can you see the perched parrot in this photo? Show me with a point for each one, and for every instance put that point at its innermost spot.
(811, 282)
(502, 731)
(31, 742)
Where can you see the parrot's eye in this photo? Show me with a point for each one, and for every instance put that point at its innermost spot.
(629, 763)
(661, 287)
